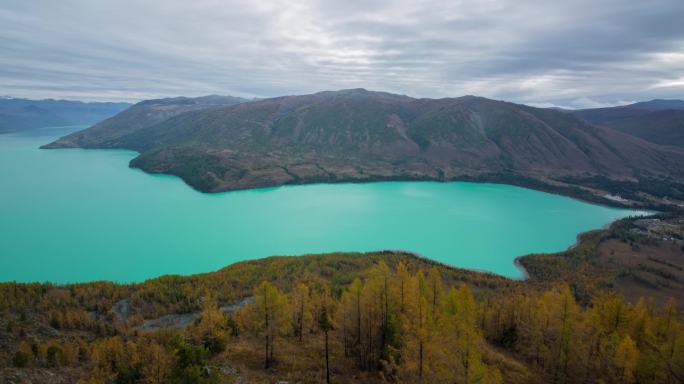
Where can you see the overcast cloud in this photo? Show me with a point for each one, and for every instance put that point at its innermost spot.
(564, 53)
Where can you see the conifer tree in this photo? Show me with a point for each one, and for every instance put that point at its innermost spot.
(326, 325)
(626, 360)
(270, 317)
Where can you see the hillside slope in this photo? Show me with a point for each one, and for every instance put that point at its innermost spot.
(21, 114)
(140, 116)
(656, 121)
(358, 135)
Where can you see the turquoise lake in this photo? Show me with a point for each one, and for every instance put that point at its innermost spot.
(73, 215)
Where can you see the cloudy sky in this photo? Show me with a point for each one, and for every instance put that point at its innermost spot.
(568, 53)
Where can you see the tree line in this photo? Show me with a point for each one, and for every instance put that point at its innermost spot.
(394, 325)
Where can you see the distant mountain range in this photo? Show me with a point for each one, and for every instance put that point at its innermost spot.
(20, 114)
(658, 121)
(359, 135)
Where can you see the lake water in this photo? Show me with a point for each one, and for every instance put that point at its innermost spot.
(73, 215)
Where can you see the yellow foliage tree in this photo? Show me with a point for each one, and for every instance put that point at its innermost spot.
(270, 319)
(626, 360)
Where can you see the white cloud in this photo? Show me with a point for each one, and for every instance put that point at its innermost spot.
(675, 83)
(586, 102)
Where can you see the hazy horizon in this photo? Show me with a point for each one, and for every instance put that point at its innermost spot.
(6, 97)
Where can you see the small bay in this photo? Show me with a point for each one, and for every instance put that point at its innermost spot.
(74, 215)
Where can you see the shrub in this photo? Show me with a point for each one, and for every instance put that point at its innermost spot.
(54, 356)
(20, 359)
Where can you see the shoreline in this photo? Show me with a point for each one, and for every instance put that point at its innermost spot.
(573, 191)
(527, 183)
(578, 240)
(599, 201)
(523, 182)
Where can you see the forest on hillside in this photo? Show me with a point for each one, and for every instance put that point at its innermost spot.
(353, 320)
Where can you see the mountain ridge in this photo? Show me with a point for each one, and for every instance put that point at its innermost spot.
(143, 115)
(360, 135)
(658, 104)
(658, 121)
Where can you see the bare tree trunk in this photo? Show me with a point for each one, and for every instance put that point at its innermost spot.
(420, 346)
(267, 362)
(344, 335)
(434, 298)
(301, 318)
(327, 360)
(402, 295)
(358, 328)
(385, 318)
(466, 360)
(420, 362)
(272, 347)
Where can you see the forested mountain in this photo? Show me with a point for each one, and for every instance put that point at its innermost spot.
(359, 135)
(657, 121)
(20, 114)
(366, 318)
